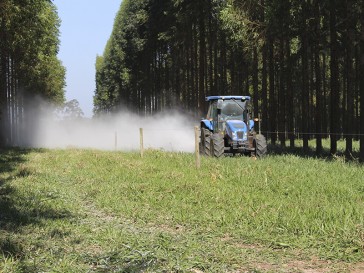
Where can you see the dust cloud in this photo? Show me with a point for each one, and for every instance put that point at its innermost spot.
(170, 131)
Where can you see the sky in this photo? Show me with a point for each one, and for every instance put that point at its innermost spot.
(86, 26)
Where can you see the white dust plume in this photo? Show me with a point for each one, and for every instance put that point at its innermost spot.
(170, 131)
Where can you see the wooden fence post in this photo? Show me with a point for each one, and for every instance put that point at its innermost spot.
(197, 147)
(116, 141)
(141, 142)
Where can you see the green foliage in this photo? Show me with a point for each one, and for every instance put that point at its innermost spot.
(72, 110)
(125, 38)
(240, 24)
(33, 35)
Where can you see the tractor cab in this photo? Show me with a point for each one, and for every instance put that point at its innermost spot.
(229, 128)
(227, 108)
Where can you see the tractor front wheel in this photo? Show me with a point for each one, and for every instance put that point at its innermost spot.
(260, 145)
(217, 145)
(205, 142)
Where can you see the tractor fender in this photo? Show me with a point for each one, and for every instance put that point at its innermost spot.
(207, 123)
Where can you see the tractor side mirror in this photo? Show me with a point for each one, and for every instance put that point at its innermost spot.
(219, 104)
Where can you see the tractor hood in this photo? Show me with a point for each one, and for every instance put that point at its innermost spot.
(237, 129)
(236, 125)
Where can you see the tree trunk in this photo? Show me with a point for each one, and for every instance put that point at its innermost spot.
(2, 83)
(202, 58)
(265, 105)
(325, 117)
(282, 95)
(255, 82)
(290, 93)
(319, 111)
(350, 79)
(305, 81)
(357, 93)
(362, 84)
(334, 81)
(272, 99)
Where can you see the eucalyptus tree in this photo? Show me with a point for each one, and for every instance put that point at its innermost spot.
(29, 65)
(116, 70)
(362, 83)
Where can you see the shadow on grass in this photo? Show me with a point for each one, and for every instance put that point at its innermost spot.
(325, 154)
(11, 158)
(127, 262)
(15, 211)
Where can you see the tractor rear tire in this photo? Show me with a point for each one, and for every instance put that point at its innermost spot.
(205, 142)
(217, 145)
(260, 145)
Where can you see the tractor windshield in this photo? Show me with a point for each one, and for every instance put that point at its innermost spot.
(233, 109)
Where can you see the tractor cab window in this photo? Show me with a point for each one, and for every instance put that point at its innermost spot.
(212, 113)
(233, 110)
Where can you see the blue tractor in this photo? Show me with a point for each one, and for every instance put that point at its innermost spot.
(229, 128)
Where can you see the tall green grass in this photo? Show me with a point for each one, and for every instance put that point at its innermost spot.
(86, 210)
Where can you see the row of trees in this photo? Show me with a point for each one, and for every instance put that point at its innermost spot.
(29, 67)
(168, 53)
(313, 60)
(301, 60)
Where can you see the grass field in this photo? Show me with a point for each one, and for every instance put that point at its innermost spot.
(93, 211)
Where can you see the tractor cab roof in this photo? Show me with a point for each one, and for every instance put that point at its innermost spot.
(242, 98)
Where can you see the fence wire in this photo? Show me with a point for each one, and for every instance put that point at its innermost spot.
(313, 133)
